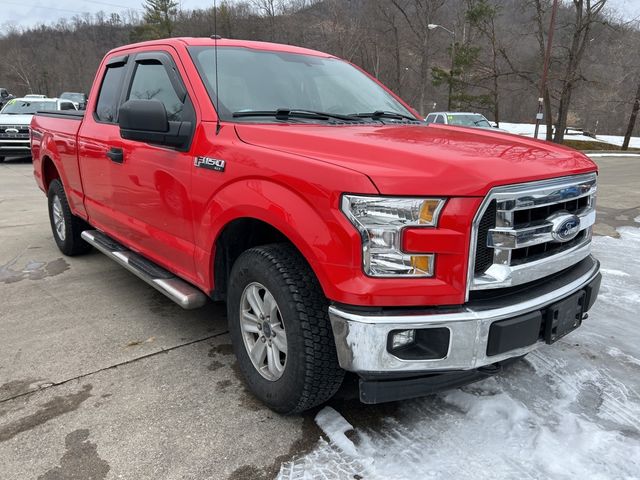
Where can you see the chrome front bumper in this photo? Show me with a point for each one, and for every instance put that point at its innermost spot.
(362, 337)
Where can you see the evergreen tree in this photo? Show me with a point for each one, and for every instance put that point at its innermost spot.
(159, 19)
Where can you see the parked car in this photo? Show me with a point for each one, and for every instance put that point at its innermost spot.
(15, 118)
(78, 99)
(343, 233)
(5, 96)
(462, 119)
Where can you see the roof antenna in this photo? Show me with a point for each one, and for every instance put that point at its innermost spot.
(215, 49)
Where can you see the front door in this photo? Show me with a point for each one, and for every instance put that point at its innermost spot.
(144, 194)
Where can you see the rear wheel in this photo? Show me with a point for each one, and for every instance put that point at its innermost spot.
(279, 324)
(66, 227)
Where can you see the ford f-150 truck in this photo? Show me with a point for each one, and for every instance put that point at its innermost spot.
(343, 232)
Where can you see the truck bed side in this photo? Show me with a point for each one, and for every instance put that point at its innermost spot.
(54, 143)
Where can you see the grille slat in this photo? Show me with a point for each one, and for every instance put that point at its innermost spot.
(22, 132)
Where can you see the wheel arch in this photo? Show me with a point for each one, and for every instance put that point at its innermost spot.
(268, 213)
(49, 172)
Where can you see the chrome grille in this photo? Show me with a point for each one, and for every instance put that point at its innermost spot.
(528, 231)
(21, 133)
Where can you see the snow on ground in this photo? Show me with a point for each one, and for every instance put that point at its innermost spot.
(567, 411)
(527, 129)
(634, 142)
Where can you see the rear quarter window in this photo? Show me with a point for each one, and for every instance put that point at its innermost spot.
(109, 96)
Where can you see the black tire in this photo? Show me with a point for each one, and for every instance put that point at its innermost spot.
(311, 373)
(69, 242)
(1, 159)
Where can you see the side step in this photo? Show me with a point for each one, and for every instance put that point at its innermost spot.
(181, 292)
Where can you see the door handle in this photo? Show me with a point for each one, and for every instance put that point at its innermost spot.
(115, 155)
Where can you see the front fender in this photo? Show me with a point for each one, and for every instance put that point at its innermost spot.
(318, 230)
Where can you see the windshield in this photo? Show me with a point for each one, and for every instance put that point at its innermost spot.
(253, 80)
(469, 120)
(74, 97)
(27, 107)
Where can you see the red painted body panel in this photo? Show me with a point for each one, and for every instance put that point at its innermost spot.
(424, 160)
(292, 177)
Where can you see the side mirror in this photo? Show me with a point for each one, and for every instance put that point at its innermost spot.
(147, 121)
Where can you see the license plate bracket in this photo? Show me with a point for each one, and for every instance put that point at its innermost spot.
(564, 317)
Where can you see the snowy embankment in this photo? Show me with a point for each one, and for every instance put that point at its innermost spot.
(527, 129)
(567, 411)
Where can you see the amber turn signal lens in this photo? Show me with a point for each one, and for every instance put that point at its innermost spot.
(422, 264)
(428, 211)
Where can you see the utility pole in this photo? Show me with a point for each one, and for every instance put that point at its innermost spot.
(545, 68)
(453, 66)
(431, 26)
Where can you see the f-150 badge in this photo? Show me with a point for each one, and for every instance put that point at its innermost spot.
(210, 163)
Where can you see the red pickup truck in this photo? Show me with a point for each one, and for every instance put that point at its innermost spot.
(344, 233)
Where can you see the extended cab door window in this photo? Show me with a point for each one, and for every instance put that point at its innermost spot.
(152, 81)
(110, 91)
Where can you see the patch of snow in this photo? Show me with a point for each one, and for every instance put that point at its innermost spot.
(569, 410)
(634, 142)
(597, 155)
(528, 129)
(335, 426)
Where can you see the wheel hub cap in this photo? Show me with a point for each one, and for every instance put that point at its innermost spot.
(58, 218)
(263, 331)
(266, 329)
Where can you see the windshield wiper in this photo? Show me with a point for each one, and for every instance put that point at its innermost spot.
(382, 114)
(285, 114)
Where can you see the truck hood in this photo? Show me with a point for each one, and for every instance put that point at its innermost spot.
(423, 160)
(6, 119)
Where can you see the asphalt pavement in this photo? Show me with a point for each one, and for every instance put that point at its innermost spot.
(101, 377)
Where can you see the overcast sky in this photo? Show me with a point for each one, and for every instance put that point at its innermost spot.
(32, 12)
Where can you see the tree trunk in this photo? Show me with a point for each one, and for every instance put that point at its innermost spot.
(563, 113)
(548, 114)
(396, 40)
(496, 102)
(632, 119)
(424, 75)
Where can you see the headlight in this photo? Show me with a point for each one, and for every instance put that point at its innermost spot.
(380, 221)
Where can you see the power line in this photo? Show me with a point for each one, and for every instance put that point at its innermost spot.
(40, 7)
(110, 4)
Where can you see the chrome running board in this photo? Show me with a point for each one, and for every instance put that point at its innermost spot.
(178, 290)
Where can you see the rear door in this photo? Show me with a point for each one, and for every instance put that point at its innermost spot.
(144, 194)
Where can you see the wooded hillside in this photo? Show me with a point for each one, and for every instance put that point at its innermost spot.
(498, 56)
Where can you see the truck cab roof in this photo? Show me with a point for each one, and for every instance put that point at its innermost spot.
(222, 42)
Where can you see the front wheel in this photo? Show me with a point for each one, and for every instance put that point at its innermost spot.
(66, 227)
(279, 324)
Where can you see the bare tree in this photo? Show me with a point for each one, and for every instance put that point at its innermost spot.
(418, 15)
(482, 15)
(586, 13)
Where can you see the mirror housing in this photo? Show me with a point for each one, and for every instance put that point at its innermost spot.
(147, 121)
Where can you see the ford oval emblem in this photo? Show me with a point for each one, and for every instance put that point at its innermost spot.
(12, 130)
(565, 226)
